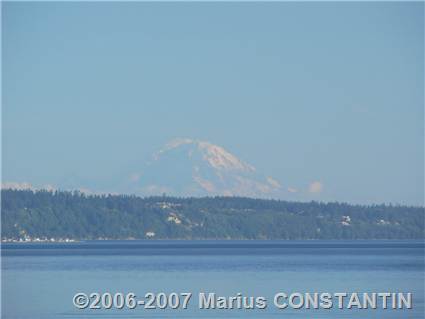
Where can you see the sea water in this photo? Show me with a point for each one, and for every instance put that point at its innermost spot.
(39, 280)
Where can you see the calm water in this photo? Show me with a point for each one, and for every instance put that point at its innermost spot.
(39, 280)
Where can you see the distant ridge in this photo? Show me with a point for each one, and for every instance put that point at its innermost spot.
(66, 216)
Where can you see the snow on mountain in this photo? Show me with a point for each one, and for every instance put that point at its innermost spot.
(187, 167)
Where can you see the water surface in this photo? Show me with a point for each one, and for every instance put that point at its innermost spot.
(40, 279)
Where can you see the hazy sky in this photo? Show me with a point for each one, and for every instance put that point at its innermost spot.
(326, 92)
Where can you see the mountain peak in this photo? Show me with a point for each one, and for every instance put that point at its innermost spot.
(215, 155)
(189, 167)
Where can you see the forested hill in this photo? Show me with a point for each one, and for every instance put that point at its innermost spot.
(41, 215)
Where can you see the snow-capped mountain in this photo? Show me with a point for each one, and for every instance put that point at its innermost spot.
(187, 167)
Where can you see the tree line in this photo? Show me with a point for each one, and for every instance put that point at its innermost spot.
(75, 215)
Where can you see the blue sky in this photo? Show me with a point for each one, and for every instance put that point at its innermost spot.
(327, 92)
